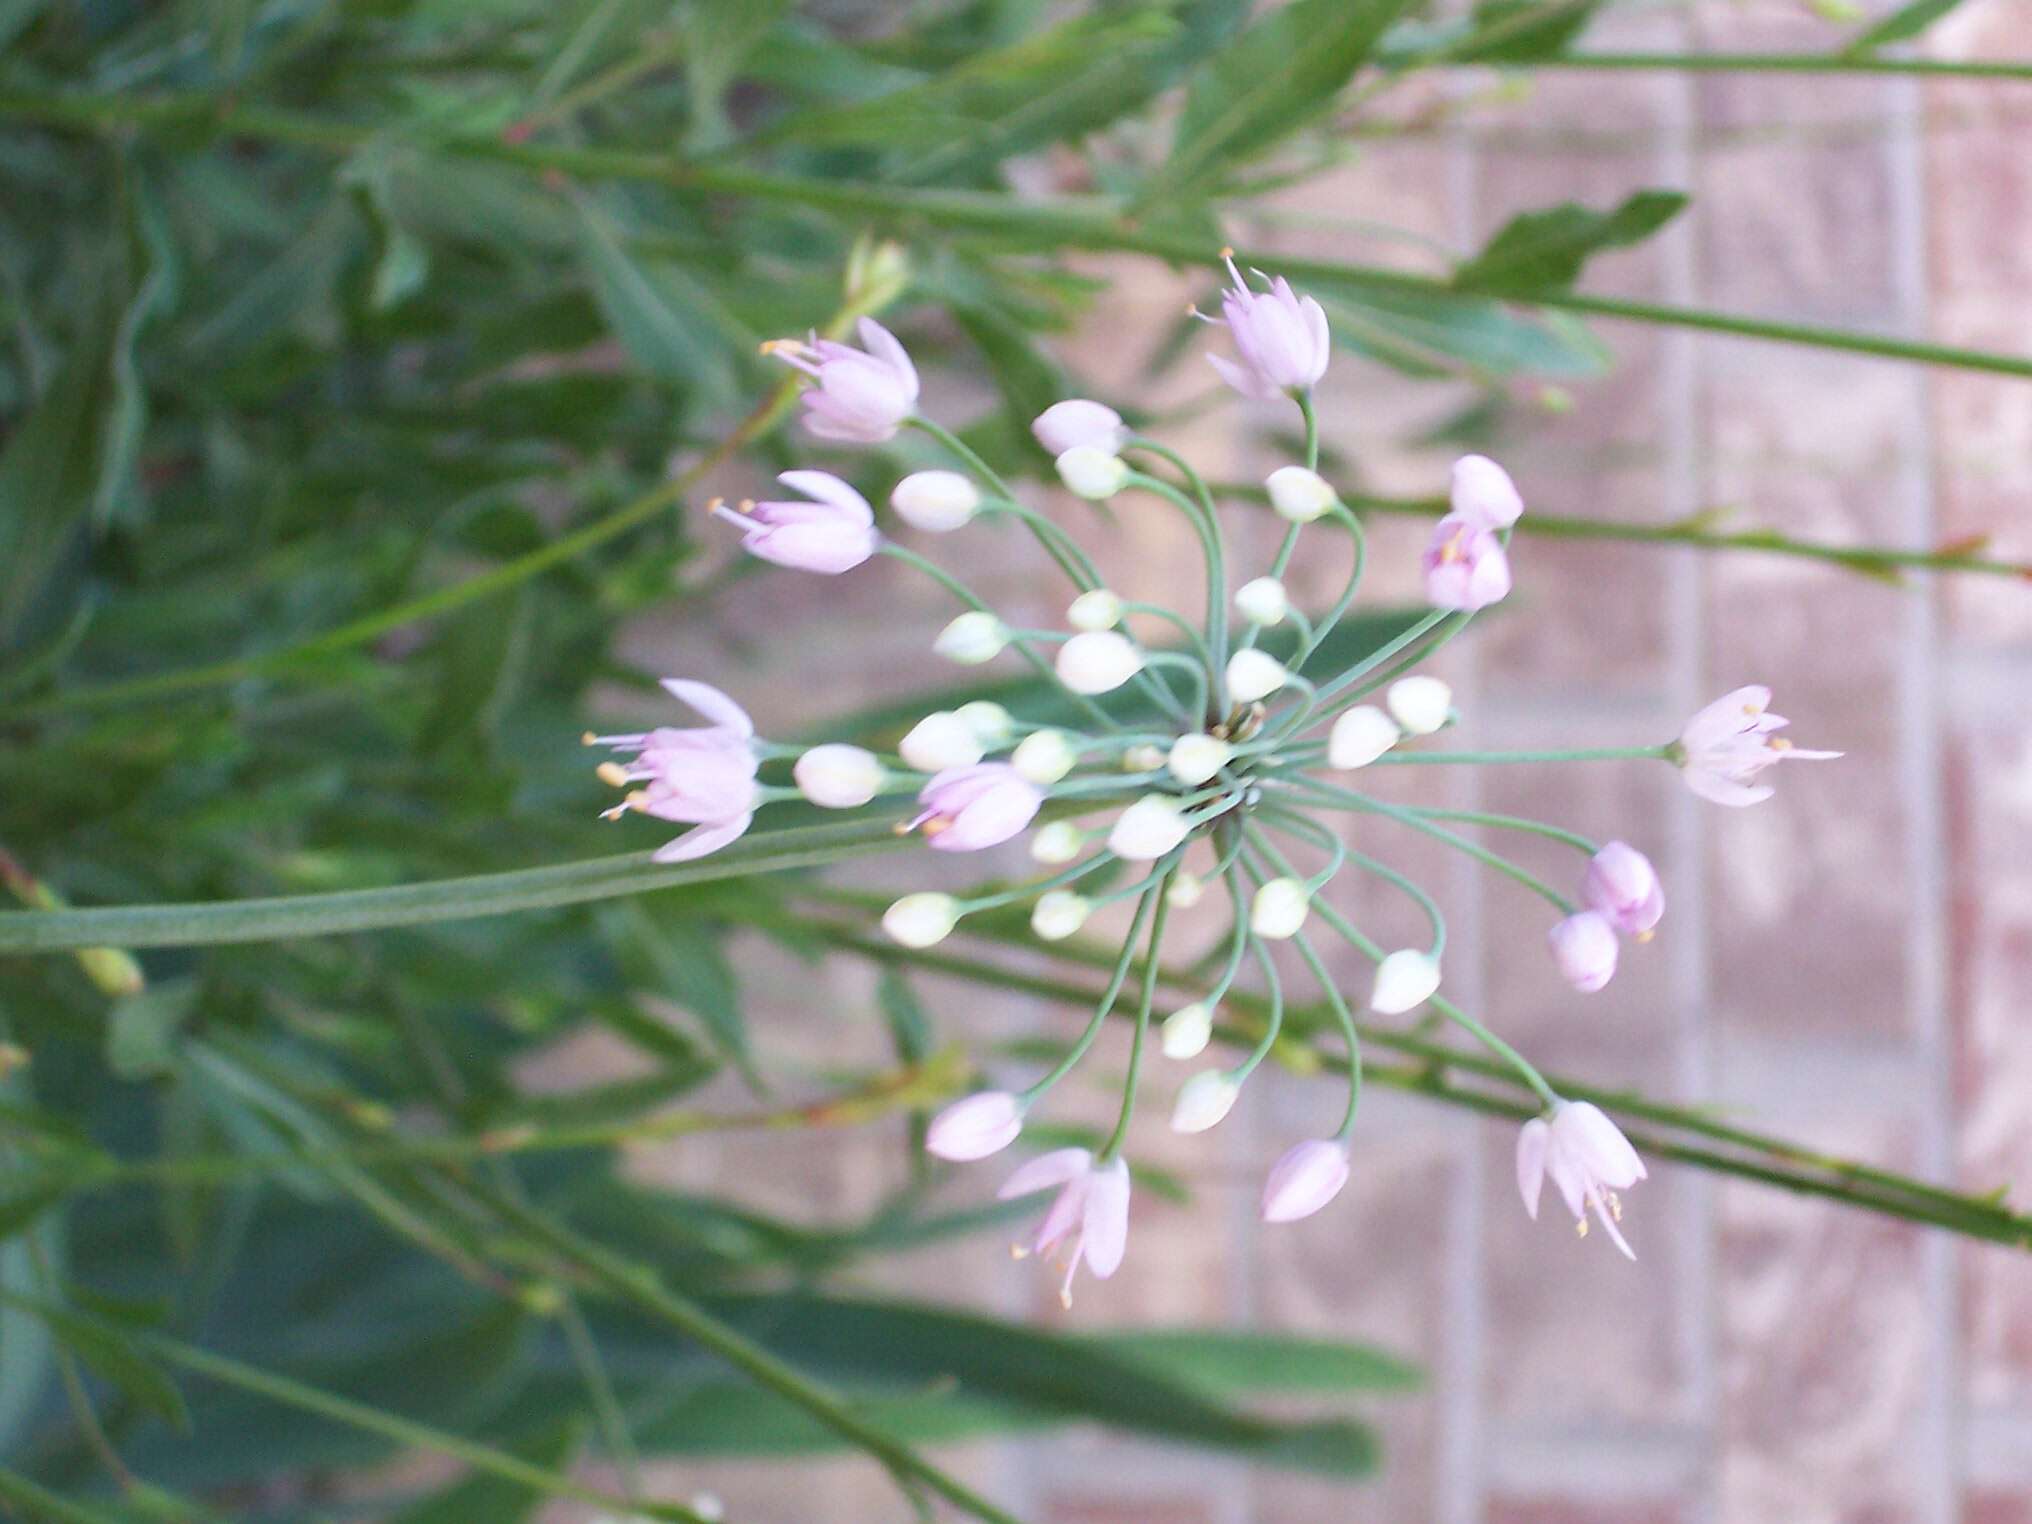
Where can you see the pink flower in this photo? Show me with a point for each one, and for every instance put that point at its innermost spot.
(1466, 567)
(1305, 1179)
(975, 1127)
(968, 808)
(1088, 1219)
(1281, 337)
(1590, 1160)
(704, 776)
(1624, 887)
(1584, 947)
(862, 396)
(834, 532)
(1727, 744)
(1484, 494)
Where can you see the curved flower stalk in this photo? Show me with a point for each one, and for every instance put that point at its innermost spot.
(1223, 743)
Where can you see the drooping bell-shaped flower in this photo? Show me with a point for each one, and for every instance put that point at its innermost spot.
(861, 396)
(969, 808)
(1588, 1158)
(1624, 887)
(832, 533)
(1068, 425)
(1187, 1031)
(704, 776)
(1148, 829)
(837, 776)
(1299, 493)
(1087, 1222)
(1466, 567)
(1254, 674)
(1360, 736)
(976, 1126)
(1098, 661)
(1731, 741)
(1420, 704)
(1204, 1101)
(940, 740)
(1584, 947)
(1045, 756)
(935, 501)
(1482, 493)
(1405, 980)
(1058, 914)
(1304, 1179)
(1281, 339)
(921, 920)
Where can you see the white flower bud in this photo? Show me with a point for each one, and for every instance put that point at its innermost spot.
(1059, 842)
(1066, 425)
(1058, 914)
(837, 776)
(921, 920)
(1203, 1101)
(1098, 661)
(1187, 1031)
(1298, 494)
(935, 500)
(1279, 909)
(1263, 601)
(1097, 610)
(1404, 981)
(1420, 704)
(1044, 756)
(1254, 674)
(1196, 757)
(992, 725)
(1187, 889)
(938, 741)
(1148, 829)
(1092, 472)
(972, 639)
(1360, 736)
(1143, 759)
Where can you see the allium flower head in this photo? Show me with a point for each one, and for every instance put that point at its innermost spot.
(1589, 1160)
(861, 396)
(1087, 1222)
(1726, 745)
(704, 776)
(832, 533)
(1281, 339)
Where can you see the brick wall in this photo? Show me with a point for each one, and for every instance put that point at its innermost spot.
(1850, 963)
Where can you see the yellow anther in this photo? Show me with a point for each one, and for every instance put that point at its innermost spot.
(589, 739)
(1227, 251)
(613, 774)
(1779, 743)
(935, 825)
(1644, 936)
(1580, 1228)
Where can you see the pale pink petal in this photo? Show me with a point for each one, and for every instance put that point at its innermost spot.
(1045, 1171)
(1607, 1153)
(824, 487)
(1106, 1220)
(711, 703)
(701, 841)
(883, 345)
(1242, 379)
(1531, 1145)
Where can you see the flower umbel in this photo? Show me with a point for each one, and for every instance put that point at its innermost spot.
(1184, 765)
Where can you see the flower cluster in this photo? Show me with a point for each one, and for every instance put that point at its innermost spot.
(1201, 763)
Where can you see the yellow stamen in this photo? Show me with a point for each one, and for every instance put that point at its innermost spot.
(589, 739)
(1644, 936)
(936, 825)
(1227, 251)
(613, 774)
(1580, 1228)
(1779, 743)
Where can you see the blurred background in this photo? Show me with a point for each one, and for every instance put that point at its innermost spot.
(344, 346)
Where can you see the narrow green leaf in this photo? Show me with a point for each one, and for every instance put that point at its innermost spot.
(22, 1209)
(909, 1024)
(1901, 25)
(1284, 70)
(1222, 1360)
(489, 1499)
(654, 308)
(1520, 31)
(1546, 250)
(117, 1360)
